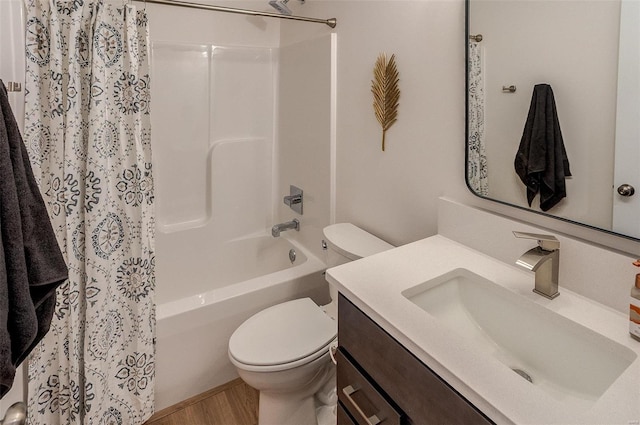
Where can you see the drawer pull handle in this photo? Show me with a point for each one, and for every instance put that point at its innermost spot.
(348, 391)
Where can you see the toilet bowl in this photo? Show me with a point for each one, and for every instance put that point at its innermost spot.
(283, 351)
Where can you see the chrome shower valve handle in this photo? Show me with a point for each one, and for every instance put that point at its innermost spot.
(295, 199)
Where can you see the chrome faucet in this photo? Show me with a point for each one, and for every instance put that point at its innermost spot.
(544, 261)
(293, 224)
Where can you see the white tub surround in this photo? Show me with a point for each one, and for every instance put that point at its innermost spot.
(375, 285)
(219, 153)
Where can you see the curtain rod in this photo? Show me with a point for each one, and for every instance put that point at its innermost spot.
(330, 22)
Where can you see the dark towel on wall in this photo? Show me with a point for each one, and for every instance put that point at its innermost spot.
(31, 264)
(541, 161)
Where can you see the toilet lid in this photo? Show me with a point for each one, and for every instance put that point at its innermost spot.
(282, 334)
(353, 242)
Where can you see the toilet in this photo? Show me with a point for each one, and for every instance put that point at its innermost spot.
(284, 351)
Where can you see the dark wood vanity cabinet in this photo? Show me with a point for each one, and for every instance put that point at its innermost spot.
(380, 381)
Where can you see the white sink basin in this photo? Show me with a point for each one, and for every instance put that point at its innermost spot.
(561, 357)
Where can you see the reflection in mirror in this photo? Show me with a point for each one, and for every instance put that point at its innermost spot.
(591, 59)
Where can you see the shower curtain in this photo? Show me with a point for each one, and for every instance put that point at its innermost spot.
(477, 174)
(87, 130)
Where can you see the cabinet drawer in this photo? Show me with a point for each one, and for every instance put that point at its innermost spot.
(342, 415)
(421, 394)
(360, 398)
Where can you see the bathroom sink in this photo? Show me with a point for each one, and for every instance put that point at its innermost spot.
(566, 360)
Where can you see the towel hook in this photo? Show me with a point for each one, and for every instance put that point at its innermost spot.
(12, 86)
(477, 37)
(509, 89)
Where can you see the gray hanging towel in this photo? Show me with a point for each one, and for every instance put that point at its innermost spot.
(541, 161)
(31, 264)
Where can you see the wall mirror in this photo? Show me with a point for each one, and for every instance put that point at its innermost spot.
(588, 51)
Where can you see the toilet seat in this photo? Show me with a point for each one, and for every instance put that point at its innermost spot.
(282, 337)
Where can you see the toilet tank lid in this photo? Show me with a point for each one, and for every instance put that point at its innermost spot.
(283, 333)
(353, 242)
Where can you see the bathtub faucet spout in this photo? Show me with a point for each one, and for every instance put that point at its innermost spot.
(293, 224)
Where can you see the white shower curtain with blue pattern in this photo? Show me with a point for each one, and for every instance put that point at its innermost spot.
(87, 130)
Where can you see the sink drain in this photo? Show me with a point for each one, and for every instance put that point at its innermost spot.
(524, 374)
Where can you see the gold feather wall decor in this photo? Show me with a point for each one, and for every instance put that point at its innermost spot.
(386, 93)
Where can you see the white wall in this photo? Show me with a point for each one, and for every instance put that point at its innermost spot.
(12, 53)
(394, 194)
(12, 70)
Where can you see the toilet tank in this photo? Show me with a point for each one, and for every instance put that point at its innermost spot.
(346, 242)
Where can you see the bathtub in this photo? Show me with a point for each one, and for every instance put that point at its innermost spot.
(197, 313)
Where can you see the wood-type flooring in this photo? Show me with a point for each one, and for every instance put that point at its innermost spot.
(234, 403)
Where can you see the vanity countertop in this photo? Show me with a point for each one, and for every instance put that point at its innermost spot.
(375, 285)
